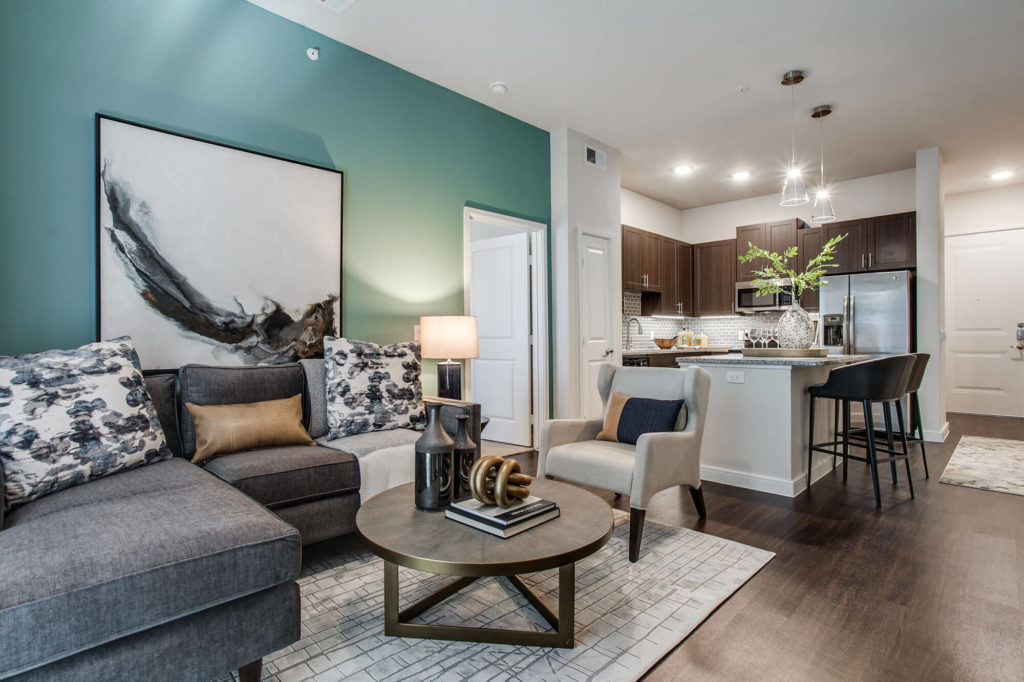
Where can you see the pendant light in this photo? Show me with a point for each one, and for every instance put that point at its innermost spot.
(823, 212)
(794, 193)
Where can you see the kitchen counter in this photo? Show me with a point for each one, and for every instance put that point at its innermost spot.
(738, 359)
(714, 350)
(757, 424)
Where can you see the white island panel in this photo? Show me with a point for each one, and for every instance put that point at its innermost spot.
(755, 435)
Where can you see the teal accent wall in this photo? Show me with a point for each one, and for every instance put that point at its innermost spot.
(413, 153)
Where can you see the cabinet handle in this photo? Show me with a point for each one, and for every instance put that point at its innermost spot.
(869, 258)
(862, 261)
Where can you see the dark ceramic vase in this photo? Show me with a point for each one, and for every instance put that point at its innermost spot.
(465, 455)
(434, 466)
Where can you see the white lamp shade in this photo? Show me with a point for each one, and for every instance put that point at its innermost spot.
(448, 336)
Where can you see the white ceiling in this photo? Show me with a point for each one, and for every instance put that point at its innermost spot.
(656, 79)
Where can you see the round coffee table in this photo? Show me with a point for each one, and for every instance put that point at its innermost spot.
(427, 541)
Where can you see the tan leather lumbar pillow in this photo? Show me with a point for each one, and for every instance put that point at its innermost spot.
(229, 428)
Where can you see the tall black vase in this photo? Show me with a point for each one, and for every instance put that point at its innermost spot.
(434, 466)
(465, 455)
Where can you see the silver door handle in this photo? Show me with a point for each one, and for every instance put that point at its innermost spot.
(645, 280)
(869, 258)
(846, 325)
(608, 351)
(853, 325)
(862, 261)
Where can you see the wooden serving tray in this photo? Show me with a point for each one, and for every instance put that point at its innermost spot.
(785, 352)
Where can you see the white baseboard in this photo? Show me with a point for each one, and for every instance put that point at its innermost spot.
(939, 436)
(765, 484)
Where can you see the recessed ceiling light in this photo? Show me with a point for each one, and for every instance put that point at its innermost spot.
(682, 170)
(1002, 175)
(741, 175)
(499, 88)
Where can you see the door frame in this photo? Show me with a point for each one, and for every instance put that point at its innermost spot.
(538, 233)
(612, 307)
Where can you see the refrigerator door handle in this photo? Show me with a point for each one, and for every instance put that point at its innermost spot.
(846, 325)
(853, 324)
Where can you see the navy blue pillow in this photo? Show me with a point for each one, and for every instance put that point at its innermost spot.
(629, 418)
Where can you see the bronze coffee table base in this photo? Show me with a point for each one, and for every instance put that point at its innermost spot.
(396, 623)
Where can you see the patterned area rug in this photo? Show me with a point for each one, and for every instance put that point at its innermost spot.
(987, 463)
(628, 616)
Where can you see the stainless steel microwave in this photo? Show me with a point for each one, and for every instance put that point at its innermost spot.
(747, 300)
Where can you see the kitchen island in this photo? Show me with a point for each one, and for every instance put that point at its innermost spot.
(755, 435)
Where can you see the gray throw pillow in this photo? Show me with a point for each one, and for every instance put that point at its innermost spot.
(371, 387)
(69, 416)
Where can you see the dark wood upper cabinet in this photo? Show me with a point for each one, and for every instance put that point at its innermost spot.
(808, 242)
(641, 260)
(880, 243)
(684, 277)
(632, 258)
(745, 236)
(782, 235)
(892, 242)
(676, 291)
(851, 253)
(714, 277)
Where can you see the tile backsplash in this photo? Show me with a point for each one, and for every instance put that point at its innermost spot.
(721, 331)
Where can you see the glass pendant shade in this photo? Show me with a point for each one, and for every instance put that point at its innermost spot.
(822, 212)
(794, 193)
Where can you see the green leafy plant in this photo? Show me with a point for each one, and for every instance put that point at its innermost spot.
(770, 277)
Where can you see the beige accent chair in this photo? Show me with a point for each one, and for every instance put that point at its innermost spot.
(569, 449)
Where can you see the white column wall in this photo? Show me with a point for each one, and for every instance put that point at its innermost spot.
(930, 295)
(583, 198)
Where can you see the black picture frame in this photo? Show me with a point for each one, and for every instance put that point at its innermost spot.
(103, 204)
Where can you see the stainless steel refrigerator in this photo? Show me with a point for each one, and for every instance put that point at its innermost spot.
(870, 313)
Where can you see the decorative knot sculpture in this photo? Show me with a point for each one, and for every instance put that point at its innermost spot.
(496, 480)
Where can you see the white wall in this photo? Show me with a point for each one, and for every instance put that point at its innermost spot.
(583, 198)
(930, 295)
(985, 210)
(651, 215)
(859, 198)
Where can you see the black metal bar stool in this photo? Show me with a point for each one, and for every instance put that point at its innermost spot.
(916, 433)
(884, 380)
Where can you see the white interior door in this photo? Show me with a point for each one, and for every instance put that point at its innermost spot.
(985, 371)
(597, 322)
(499, 297)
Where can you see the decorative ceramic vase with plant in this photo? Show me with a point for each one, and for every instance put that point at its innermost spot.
(796, 328)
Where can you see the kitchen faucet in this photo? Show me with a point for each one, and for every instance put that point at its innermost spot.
(639, 330)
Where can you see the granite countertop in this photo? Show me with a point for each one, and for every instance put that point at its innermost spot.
(738, 359)
(678, 351)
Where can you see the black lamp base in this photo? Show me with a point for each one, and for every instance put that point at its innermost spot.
(449, 380)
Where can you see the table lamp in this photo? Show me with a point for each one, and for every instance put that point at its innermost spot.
(444, 337)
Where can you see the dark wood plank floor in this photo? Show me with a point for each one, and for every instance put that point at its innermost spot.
(926, 589)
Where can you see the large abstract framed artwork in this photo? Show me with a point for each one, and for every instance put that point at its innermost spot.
(212, 254)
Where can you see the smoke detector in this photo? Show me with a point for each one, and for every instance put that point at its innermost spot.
(499, 88)
(313, 53)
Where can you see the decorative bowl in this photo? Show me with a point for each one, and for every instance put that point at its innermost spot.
(665, 344)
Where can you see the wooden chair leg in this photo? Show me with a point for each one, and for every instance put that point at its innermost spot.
(887, 415)
(698, 501)
(251, 672)
(903, 442)
(636, 532)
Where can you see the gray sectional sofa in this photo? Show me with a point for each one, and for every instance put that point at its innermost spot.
(175, 571)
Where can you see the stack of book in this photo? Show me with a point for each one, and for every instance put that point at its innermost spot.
(503, 521)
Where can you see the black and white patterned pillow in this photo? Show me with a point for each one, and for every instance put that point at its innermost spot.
(69, 416)
(371, 387)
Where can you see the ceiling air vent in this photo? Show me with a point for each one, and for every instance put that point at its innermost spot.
(595, 157)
